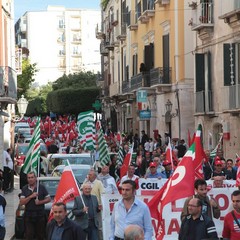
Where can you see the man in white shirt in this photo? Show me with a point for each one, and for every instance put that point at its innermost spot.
(7, 169)
(130, 175)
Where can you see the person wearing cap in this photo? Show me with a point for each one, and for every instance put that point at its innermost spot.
(153, 171)
(218, 171)
(159, 167)
(167, 173)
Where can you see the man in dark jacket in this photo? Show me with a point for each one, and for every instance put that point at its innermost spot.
(197, 226)
(85, 210)
(61, 227)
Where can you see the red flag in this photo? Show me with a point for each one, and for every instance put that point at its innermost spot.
(126, 162)
(238, 176)
(179, 185)
(199, 155)
(67, 189)
(169, 153)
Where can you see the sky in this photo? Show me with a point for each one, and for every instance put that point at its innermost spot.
(22, 6)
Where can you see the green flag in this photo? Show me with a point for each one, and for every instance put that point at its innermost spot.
(33, 154)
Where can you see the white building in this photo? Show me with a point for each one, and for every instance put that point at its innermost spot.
(60, 41)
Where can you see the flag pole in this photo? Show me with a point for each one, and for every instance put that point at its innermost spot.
(38, 175)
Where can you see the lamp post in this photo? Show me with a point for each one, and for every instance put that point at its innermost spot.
(22, 104)
(169, 115)
(124, 109)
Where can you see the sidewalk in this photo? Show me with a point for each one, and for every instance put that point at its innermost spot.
(12, 203)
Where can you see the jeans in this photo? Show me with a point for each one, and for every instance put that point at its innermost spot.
(92, 231)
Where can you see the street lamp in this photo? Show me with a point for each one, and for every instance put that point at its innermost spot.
(22, 104)
(169, 115)
(124, 108)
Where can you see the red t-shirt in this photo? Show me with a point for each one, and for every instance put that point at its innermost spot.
(231, 229)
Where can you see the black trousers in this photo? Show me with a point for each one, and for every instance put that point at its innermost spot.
(6, 178)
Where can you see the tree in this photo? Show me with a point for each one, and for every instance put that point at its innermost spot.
(75, 81)
(25, 80)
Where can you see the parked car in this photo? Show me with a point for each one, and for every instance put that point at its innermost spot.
(19, 125)
(80, 171)
(60, 159)
(21, 150)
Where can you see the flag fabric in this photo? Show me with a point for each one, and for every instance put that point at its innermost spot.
(33, 155)
(169, 153)
(86, 129)
(199, 155)
(119, 162)
(104, 157)
(67, 188)
(238, 176)
(213, 153)
(179, 185)
(126, 162)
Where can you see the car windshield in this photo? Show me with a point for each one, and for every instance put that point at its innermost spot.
(50, 185)
(80, 174)
(54, 162)
(22, 150)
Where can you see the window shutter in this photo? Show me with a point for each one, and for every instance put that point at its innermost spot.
(227, 63)
(200, 76)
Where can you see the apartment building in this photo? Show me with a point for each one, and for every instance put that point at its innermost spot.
(8, 80)
(147, 66)
(216, 26)
(60, 41)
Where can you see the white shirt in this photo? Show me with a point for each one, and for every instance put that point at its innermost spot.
(7, 160)
(126, 177)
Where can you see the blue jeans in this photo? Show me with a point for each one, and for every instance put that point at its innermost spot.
(92, 231)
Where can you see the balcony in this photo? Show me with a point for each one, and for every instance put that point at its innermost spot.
(141, 80)
(126, 87)
(8, 86)
(204, 103)
(76, 54)
(76, 40)
(231, 98)
(133, 24)
(163, 3)
(103, 50)
(76, 68)
(202, 17)
(123, 32)
(150, 10)
(61, 53)
(62, 67)
(160, 76)
(231, 13)
(109, 45)
(99, 34)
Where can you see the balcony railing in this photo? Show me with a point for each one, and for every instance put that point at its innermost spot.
(160, 75)
(231, 97)
(103, 50)
(202, 16)
(8, 82)
(126, 87)
(203, 102)
(140, 80)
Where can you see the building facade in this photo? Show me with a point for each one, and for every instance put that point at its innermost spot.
(8, 79)
(60, 41)
(147, 67)
(216, 25)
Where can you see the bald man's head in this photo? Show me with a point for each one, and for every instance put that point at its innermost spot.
(133, 232)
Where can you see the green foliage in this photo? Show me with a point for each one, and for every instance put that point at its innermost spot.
(74, 81)
(36, 106)
(104, 4)
(72, 101)
(25, 80)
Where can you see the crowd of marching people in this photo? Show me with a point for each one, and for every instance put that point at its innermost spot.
(151, 157)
